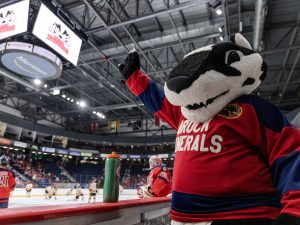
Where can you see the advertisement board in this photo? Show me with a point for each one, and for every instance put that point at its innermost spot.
(20, 144)
(86, 154)
(57, 35)
(48, 149)
(134, 156)
(34, 147)
(123, 156)
(5, 141)
(74, 153)
(25, 59)
(14, 19)
(62, 151)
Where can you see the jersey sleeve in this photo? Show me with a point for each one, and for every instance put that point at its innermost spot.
(153, 98)
(280, 143)
(161, 184)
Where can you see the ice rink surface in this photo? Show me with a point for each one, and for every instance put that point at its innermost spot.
(18, 201)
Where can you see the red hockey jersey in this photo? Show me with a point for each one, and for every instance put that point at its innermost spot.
(243, 163)
(159, 181)
(7, 184)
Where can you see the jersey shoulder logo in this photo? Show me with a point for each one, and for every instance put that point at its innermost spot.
(231, 111)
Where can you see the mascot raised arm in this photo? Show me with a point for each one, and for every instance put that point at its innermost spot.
(237, 157)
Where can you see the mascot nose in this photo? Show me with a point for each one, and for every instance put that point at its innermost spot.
(179, 83)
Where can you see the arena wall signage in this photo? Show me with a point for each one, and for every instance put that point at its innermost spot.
(62, 151)
(86, 154)
(57, 35)
(163, 155)
(47, 149)
(30, 61)
(20, 144)
(134, 156)
(123, 156)
(5, 141)
(74, 153)
(14, 19)
(34, 147)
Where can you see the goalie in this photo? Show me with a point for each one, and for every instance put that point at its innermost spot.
(158, 180)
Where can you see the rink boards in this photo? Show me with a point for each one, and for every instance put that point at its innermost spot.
(19, 199)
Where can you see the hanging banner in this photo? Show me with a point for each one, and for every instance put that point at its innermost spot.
(3, 127)
(60, 140)
(114, 125)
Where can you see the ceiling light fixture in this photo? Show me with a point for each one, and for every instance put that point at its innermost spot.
(56, 92)
(219, 11)
(82, 104)
(37, 82)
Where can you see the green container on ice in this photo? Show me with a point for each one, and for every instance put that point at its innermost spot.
(111, 178)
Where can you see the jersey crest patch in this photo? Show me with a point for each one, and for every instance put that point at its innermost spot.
(231, 111)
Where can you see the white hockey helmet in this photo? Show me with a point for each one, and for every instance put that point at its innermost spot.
(154, 161)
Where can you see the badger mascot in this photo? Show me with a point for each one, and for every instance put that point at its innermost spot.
(237, 157)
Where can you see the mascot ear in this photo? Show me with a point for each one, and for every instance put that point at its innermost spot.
(239, 40)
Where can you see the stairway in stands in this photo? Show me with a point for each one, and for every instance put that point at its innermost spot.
(67, 174)
(20, 176)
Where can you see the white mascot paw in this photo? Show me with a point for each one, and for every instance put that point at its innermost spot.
(143, 192)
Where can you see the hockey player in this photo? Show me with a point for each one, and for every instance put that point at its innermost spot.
(48, 192)
(158, 180)
(93, 190)
(54, 190)
(7, 182)
(28, 189)
(69, 192)
(237, 156)
(121, 188)
(79, 193)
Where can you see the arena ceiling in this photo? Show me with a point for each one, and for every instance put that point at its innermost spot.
(162, 31)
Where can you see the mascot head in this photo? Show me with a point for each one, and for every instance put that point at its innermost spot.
(210, 77)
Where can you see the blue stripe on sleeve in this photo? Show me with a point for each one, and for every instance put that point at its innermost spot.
(286, 173)
(199, 204)
(152, 97)
(268, 115)
(3, 205)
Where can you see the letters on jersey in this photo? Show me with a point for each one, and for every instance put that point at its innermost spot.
(191, 136)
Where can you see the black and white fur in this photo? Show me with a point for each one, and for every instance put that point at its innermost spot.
(7, 18)
(209, 78)
(56, 29)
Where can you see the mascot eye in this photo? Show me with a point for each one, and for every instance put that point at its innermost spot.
(233, 56)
